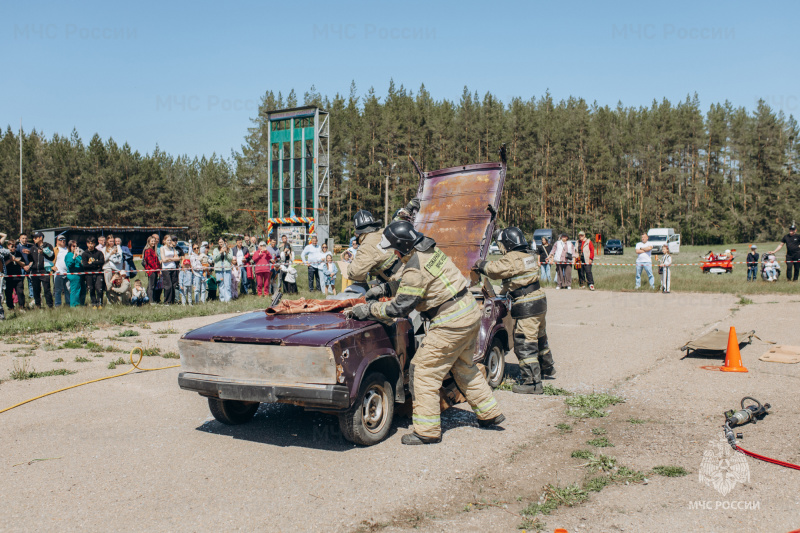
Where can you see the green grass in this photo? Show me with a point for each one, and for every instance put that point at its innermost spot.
(59, 360)
(80, 359)
(689, 278)
(119, 361)
(83, 318)
(670, 471)
(599, 431)
(744, 301)
(25, 371)
(128, 333)
(582, 454)
(636, 420)
(171, 355)
(166, 331)
(590, 405)
(600, 442)
(564, 428)
(549, 390)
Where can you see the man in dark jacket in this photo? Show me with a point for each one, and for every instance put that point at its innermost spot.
(41, 252)
(792, 242)
(92, 261)
(16, 282)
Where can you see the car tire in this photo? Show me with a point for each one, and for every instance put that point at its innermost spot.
(369, 419)
(232, 412)
(495, 363)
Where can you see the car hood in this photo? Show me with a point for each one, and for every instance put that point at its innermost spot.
(306, 329)
(457, 207)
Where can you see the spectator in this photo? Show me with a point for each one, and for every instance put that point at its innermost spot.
(274, 280)
(586, 254)
(289, 278)
(752, 264)
(101, 243)
(24, 249)
(169, 273)
(644, 262)
(242, 255)
(262, 260)
(119, 292)
(236, 277)
(251, 272)
(60, 271)
(152, 268)
(91, 261)
(77, 282)
(347, 256)
(222, 269)
(15, 280)
(664, 267)
(113, 260)
(128, 266)
(562, 254)
(771, 268)
(41, 253)
(353, 248)
(211, 283)
(5, 255)
(312, 256)
(138, 295)
(186, 282)
(323, 258)
(199, 262)
(544, 260)
(792, 242)
(329, 271)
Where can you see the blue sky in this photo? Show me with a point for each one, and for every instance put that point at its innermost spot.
(188, 76)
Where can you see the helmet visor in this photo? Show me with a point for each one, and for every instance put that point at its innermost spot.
(385, 244)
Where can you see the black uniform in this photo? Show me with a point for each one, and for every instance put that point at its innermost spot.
(792, 243)
(92, 261)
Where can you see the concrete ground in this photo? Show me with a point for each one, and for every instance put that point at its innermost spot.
(137, 453)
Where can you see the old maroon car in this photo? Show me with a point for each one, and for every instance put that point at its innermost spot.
(355, 369)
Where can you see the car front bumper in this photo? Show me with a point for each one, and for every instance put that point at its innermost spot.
(306, 395)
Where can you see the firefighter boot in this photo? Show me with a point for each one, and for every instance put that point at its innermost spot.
(530, 372)
(546, 358)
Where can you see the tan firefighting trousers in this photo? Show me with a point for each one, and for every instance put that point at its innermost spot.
(447, 350)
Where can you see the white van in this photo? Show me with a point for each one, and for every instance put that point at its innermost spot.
(658, 237)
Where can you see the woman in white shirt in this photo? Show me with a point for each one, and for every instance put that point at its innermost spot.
(562, 253)
(169, 258)
(113, 258)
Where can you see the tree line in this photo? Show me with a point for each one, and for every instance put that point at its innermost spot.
(724, 175)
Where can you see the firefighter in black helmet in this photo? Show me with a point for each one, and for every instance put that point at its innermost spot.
(431, 284)
(371, 259)
(519, 271)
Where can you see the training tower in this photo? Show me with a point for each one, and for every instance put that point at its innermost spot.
(298, 161)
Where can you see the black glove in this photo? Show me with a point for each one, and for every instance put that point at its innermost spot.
(375, 293)
(479, 266)
(413, 205)
(358, 312)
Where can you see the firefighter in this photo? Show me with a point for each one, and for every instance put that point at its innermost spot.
(431, 284)
(373, 260)
(519, 271)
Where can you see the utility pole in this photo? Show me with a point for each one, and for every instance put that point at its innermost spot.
(20, 175)
(386, 193)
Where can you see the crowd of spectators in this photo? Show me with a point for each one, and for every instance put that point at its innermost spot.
(103, 271)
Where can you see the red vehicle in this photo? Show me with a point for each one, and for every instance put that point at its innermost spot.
(718, 264)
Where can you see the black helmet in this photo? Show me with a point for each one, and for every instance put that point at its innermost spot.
(401, 236)
(365, 223)
(512, 239)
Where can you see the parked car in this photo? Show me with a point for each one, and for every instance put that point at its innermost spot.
(357, 370)
(661, 236)
(184, 246)
(539, 233)
(494, 249)
(613, 247)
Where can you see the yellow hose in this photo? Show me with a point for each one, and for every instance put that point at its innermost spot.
(134, 367)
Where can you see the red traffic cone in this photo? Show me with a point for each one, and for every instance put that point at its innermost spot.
(733, 358)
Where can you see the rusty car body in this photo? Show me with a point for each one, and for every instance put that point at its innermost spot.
(357, 370)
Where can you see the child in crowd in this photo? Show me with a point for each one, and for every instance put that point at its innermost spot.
(771, 268)
(236, 278)
(185, 282)
(664, 264)
(211, 285)
(289, 278)
(139, 295)
(329, 271)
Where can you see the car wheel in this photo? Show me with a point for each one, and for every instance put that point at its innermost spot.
(495, 362)
(369, 419)
(232, 412)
